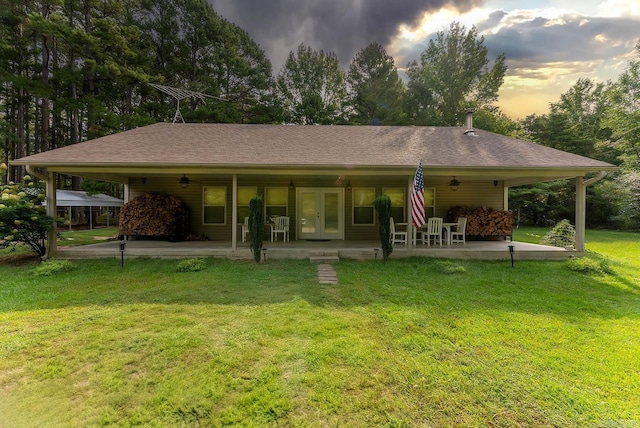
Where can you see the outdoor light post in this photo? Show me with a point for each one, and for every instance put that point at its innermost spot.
(122, 245)
(511, 251)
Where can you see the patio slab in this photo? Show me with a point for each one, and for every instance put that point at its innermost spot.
(359, 250)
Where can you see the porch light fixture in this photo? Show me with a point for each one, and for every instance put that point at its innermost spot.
(184, 181)
(349, 185)
(495, 183)
(291, 185)
(454, 184)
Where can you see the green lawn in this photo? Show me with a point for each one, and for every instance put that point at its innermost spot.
(405, 343)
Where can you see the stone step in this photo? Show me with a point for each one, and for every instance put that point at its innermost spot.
(324, 256)
(327, 274)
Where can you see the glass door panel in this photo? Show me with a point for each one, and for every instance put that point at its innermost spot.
(308, 213)
(321, 213)
(331, 213)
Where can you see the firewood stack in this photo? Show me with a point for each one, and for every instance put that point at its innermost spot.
(155, 215)
(483, 221)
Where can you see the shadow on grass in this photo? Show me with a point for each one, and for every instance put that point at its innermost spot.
(478, 286)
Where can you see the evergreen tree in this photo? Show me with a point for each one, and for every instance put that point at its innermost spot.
(376, 92)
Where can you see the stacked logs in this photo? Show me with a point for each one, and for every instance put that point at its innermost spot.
(483, 221)
(155, 215)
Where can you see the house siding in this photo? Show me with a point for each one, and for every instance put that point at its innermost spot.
(470, 193)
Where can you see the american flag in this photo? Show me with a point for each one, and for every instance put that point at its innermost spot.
(417, 199)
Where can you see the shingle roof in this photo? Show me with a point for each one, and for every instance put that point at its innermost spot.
(309, 146)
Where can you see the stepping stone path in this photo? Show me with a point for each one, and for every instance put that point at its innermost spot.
(327, 274)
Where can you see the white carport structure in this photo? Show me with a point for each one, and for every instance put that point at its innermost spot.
(69, 199)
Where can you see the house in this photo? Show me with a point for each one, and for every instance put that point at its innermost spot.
(323, 177)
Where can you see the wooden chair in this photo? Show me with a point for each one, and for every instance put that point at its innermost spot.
(281, 225)
(245, 229)
(397, 237)
(458, 236)
(434, 230)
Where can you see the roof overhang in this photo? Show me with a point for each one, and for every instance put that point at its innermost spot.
(121, 173)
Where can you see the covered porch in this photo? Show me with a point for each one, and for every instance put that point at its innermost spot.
(319, 251)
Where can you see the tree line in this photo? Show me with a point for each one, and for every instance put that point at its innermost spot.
(72, 70)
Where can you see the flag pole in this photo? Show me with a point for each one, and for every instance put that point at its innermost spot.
(411, 229)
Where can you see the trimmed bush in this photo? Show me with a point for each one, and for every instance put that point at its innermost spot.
(590, 265)
(52, 267)
(449, 268)
(256, 226)
(382, 205)
(191, 265)
(562, 235)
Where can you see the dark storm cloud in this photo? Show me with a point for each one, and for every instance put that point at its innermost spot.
(576, 39)
(340, 26)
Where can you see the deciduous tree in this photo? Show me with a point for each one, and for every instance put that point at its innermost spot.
(312, 88)
(453, 74)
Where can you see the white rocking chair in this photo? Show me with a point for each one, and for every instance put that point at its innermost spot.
(281, 225)
(458, 236)
(396, 237)
(434, 230)
(245, 229)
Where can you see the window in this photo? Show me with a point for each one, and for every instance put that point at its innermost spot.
(244, 196)
(429, 202)
(398, 203)
(363, 212)
(275, 201)
(214, 205)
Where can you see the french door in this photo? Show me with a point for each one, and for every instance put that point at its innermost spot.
(321, 213)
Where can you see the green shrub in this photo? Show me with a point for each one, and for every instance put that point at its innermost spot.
(191, 265)
(256, 226)
(52, 267)
(23, 219)
(382, 205)
(562, 235)
(449, 268)
(590, 265)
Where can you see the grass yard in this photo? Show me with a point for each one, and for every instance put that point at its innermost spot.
(407, 343)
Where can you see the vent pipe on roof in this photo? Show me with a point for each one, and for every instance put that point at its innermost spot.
(470, 130)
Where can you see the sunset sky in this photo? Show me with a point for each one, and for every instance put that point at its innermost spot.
(548, 44)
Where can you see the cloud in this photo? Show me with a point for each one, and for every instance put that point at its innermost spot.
(339, 26)
(565, 38)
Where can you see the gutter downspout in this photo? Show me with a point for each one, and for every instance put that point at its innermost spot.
(581, 207)
(32, 171)
(50, 192)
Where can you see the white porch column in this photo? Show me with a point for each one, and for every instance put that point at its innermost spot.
(505, 198)
(52, 236)
(581, 209)
(234, 213)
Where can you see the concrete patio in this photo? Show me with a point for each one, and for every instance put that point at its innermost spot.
(320, 251)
